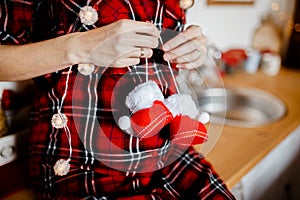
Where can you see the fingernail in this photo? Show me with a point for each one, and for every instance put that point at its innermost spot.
(179, 66)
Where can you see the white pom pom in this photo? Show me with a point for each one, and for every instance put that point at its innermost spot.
(203, 117)
(143, 96)
(125, 125)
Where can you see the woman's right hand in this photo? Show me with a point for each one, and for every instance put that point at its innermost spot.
(118, 44)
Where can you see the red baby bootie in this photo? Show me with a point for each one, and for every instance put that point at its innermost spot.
(187, 131)
(149, 121)
(149, 114)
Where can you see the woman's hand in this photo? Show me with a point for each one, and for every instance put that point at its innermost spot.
(119, 44)
(187, 49)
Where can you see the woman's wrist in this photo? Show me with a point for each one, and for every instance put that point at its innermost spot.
(74, 49)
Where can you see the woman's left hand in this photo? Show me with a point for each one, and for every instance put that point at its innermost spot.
(188, 49)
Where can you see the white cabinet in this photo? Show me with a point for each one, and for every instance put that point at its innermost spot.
(12, 145)
(277, 176)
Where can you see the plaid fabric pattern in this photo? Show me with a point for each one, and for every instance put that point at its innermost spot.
(15, 21)
(106, 163)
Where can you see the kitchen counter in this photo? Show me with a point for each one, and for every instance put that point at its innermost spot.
(238, 150)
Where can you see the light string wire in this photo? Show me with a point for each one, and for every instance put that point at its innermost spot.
(62, 117)
(66, 128)
(169, 66)
(66, 89)
(147, 72)
(171, 71)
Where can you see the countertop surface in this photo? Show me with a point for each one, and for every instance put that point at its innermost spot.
(238, 150)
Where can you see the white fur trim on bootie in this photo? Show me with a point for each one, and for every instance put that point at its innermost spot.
(181, 104)
(143, 96)
(173, 104)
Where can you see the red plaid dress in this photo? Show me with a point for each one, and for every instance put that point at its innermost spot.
(105, 163)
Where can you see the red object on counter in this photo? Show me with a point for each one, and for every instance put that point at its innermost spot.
(8, 100)
(234, 57)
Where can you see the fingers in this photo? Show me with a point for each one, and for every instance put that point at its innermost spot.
(145, 28)
(188, 56)
(187, 49)
(140, 53)
(192, 64)
(120, 44)
(191, 33)
(123, 62)
(132, 58)
(134, 40)
(124, 42)
(142, 41)
(136, 34)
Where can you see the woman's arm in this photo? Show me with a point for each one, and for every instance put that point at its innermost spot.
(118, 44)
(21, 62)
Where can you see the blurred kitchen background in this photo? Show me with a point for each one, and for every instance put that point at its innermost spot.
(237, 25)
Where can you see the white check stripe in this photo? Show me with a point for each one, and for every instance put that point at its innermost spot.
(160, 119)
(94, 115)
(87, 125)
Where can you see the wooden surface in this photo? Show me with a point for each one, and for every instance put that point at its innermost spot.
(239, 149)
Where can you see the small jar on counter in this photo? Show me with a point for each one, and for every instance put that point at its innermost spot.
(270, 63)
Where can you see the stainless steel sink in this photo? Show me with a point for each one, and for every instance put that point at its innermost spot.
(243, 107)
